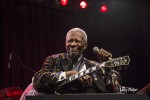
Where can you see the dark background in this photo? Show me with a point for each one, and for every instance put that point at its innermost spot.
(33, 29)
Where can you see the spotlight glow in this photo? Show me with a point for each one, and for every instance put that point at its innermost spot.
(64, 2)
(83, 4)
(103, 9)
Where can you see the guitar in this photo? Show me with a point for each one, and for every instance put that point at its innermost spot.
(110, 63)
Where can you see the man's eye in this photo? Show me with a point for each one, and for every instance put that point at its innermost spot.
(75, 41)
(78, 42)
(70, 41)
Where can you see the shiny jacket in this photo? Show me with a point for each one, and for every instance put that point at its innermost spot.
(46, 79)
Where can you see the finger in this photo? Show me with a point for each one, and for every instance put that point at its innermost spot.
(88, 80)
(81, 79)
(69, 73)
(109, 55)
(105, 53)
(101, 51)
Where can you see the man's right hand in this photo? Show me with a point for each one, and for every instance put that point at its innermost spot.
(87, 80)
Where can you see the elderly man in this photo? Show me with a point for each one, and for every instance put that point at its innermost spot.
(58, 67)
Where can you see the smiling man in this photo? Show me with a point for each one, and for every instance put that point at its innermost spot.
(76, 43)
(58, 68)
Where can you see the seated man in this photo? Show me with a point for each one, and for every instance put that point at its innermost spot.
(58, 67)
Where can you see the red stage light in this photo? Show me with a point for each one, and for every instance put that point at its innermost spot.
(83, 4)
(103, 8)
(63, 2)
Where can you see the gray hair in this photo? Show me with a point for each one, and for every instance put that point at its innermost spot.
(79, 30)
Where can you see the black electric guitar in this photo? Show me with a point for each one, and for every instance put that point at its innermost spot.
(111, 63)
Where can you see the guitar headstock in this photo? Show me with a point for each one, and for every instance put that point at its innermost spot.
(118, 61)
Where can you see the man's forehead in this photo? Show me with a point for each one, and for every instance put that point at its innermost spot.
(74, 33)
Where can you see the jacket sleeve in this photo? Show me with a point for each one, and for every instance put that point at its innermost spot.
(112, 80)
(46, 79)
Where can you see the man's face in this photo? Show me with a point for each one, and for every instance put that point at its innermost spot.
(75, 44)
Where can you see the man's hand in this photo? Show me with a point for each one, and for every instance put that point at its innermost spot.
(104, 55)
(86, 80)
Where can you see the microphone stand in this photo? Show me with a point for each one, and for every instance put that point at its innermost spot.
(10, 69)
(10, 66)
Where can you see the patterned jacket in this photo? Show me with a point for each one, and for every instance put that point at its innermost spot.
(46, 79)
